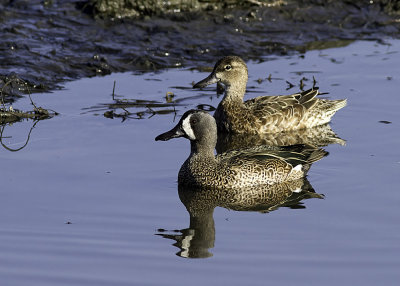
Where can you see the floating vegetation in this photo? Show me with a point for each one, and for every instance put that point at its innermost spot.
(124, 108)
(169, 96)
(148, 105)
(302, 83)
(126, 114)
(8, 114)
(290, 85)
(141, 109)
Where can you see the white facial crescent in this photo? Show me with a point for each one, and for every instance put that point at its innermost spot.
(187, 128)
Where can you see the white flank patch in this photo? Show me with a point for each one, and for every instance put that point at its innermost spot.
(298, 167)
(298, 190)
(187, 128)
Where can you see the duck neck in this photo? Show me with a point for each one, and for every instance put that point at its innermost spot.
(235, 92)
(202, 148)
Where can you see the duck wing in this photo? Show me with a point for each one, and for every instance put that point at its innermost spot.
(305, 98)
(293, 155)
(272, 111)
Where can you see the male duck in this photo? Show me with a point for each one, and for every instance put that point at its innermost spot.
(264, 114)
(242, 168)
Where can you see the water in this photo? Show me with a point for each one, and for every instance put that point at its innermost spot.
(82, 202)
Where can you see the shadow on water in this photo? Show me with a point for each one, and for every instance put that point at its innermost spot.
(197, 240)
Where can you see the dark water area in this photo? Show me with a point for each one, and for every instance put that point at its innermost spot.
(49, 42)
(94, 200)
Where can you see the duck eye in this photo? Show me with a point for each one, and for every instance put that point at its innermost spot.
(228, 67)
(193, 121)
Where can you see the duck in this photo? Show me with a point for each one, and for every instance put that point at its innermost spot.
(237, 168)
(264, 114)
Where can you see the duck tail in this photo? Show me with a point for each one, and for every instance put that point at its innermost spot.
(317, 155)
(338, 104)
(327, 108)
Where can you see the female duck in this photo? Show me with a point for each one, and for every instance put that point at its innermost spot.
(264, 114)
(243, 168)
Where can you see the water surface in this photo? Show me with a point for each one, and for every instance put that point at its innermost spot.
(82, 202)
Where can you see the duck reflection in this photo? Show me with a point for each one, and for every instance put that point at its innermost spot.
(197, 240)
(318, 136)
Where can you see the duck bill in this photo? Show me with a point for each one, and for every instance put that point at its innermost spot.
(207, 81)
(173, 133)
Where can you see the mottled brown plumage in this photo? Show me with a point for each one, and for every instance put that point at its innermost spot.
(264, 114)
(318, 136)
(241, 168)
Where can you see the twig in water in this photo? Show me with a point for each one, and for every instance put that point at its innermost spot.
(29, 93)
(113, 91)
(301, 84)
(174, 113)
(23, 146)
(314, 82)
(290, 85)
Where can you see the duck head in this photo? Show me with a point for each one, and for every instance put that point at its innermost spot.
(229, 70)
(195, 125)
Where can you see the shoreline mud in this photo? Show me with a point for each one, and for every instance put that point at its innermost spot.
(47, 43)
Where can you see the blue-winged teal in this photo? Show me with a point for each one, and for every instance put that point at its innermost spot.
(264, 114)
(241, 168)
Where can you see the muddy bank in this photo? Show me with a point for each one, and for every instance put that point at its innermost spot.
(48, 42)
(140, 9)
